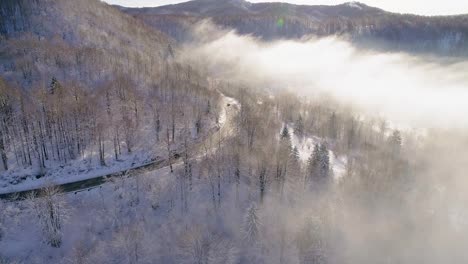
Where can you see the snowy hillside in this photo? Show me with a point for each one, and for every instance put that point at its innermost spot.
(365, 26)
(262, 144)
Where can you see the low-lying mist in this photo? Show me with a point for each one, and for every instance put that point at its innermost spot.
(405, 89)
(425, 220)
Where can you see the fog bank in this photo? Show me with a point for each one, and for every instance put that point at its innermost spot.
(405, 89)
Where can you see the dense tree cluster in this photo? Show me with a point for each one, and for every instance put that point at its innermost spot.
(64, 121)
(89, 80)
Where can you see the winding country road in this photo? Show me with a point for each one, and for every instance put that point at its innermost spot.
(229, 107)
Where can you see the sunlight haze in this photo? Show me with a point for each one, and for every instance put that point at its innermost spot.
(223, 131)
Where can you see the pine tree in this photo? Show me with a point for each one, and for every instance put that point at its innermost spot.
(55, 86)
(319, 165)
(294, 183)
(252, 224)
(282, 159)
(299, 127)
(324, 162)
(313, 164)
(295, 154)
(395, 142)
(285, 133)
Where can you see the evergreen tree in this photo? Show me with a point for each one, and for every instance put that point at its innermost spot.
(395, 142)
(55, 86)
(282, 160)
(299, 127)
(285, 133)
(319, 165)
(324, 171)
(295, 154)
(294, 182)
(252, 224)
(313, 164)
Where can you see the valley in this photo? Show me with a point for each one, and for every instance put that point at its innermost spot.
(227, 131)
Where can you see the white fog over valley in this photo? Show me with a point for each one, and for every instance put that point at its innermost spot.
(233, 132)
(414, 91)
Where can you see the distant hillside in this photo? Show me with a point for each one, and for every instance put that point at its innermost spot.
(360, 23)
(82, 40)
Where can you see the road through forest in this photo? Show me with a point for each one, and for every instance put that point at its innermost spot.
(229, 108)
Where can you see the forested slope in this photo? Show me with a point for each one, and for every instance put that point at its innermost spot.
(290, 176)
(364, 25)
(82, 81)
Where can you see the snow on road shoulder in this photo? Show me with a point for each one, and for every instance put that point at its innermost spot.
(79, 170)
(88, 167)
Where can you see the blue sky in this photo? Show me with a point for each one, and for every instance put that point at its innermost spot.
(422, 7)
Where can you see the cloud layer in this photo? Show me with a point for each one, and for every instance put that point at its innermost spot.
(405, 89)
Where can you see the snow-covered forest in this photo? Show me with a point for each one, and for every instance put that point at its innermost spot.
(119, 144)
(227, 197)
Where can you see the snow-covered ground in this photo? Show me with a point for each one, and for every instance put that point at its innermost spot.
(84, 167)
(227, 104)
(354, 4)
(95, 214)
(305, 146)
(77, 170)
(147, 151)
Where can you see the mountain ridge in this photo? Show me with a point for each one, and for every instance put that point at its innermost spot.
(362, 24)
